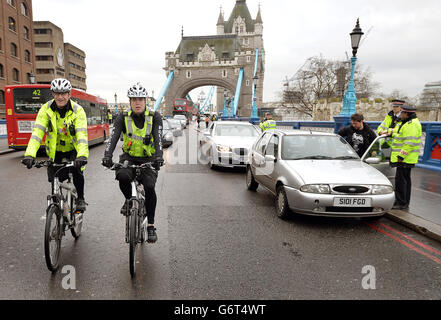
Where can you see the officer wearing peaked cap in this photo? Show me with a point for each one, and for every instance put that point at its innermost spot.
(405, 152)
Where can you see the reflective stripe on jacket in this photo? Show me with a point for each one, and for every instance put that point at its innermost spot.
(268, 125)
(407, 142)
(135, 139)
(63, 134)
(388, 123)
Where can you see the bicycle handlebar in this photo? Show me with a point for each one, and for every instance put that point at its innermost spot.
(126, 165)
(48, 163)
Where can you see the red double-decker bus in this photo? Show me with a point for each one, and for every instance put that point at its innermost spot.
(22, 103)
(183, 106)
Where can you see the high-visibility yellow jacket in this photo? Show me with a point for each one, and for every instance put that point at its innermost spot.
(139, 142)
(406, 142)
(268, 125)
(390, 122)
(63, 134)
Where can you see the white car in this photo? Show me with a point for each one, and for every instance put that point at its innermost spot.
(227, 143)
(181, 118)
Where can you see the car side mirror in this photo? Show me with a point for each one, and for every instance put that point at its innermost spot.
(270, 158)
(372, 160)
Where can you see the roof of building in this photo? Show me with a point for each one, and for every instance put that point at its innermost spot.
(221, 43)
(240, 9)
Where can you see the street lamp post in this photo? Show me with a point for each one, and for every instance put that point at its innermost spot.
(350, 98)
(254, 115)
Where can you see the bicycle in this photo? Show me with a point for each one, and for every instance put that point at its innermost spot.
(136, 216)
(61, 214)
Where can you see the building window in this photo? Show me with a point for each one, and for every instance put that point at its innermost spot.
(2, 97)
(241, 30)
(45, 71)
(15, 75)
(247, 83)
(26, 33)
(24, 9)
(44, 45)
(43, 31)
(12, 24)
(188, 74)
(225, 55)
(27, 56)
(13, 49)
(2, 72)
(44, 58)
(248, 58)
(1, 44)
(11, 2)
(224, 73)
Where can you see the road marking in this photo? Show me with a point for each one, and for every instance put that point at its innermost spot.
(428, 248)
(404, 243)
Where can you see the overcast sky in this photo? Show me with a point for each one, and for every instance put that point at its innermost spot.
(125, 41)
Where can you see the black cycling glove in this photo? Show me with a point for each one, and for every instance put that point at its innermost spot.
(28, 162)
(107, 162)
(80, 162)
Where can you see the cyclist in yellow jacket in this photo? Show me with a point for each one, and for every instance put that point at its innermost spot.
(405, 152)
(65, 124)
(142, 136)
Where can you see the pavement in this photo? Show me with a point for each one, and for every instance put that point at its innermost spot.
(424, 214)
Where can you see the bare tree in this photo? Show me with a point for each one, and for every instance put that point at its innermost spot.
(320, 78)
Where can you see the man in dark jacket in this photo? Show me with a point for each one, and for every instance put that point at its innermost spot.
(359, 135)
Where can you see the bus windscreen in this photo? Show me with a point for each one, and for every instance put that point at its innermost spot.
(30, 100)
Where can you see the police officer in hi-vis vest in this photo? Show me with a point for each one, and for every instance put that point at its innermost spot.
(269, 123)
(392, 120)
(65, 124)
(142, 142)
(405, 152)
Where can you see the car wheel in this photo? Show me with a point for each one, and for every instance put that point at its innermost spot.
(282, 206)
(252, 184)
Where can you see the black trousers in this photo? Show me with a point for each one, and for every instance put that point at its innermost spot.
(148, 178)
(78, 177)
(403, 186)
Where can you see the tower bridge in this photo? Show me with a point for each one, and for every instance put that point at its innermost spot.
(218, 60)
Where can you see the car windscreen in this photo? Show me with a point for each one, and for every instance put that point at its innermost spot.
(30, 100)
(235, 130)
(180, 102)
(299, 147)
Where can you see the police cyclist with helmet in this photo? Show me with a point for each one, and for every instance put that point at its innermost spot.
(65, 123)
(142, 142)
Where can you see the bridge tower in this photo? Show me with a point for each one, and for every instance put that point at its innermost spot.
(216, 60)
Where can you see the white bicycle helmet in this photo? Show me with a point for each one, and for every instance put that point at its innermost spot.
(61, 85)
(137, 91)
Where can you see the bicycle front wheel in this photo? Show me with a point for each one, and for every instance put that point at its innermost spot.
(133, 238)
(52, 238)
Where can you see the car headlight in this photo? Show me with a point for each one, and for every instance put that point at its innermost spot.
(222, 148)
(381, 189)
(168, 136)
(316, 188)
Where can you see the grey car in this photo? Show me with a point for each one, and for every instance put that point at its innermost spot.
(319, 174)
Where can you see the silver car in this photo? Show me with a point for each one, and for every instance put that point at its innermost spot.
(227, 143)
(318, 174)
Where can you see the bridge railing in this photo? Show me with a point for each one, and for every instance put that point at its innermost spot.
(430, 152)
